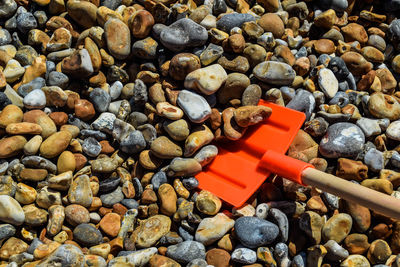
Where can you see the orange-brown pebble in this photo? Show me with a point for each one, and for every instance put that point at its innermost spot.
(110, 224)
(84, 109)
(59, 118)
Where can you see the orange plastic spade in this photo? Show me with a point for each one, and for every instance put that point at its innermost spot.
(242, 166)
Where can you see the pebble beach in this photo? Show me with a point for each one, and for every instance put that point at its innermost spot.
(109, 109)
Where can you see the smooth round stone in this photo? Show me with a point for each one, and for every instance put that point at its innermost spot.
(58, 79)
(115, 90)
(213, 229)
(254, 232)
(11, 211)
(328, 82)
(384, 106)
(112, 198)
(182, 34)
(194, 106)
(87, 235)
(82, 12)
(275, 73)
(229, 21)
(355, 260)
(109, 184)
(186, 251)
(335, 252)
(337, 227)
(377, 42)
(208, 80)
(393, 131)
(244, 256)
(91, 147)
(36, 99)
(342, 139)
(151, 230)
(13, 71)
(118, 38)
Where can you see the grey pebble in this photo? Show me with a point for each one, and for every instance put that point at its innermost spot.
(335, 252)
(254, 232)
(40, 163)
(130, 203)
(190, 183)
(5, 37)
(6, 231)
(342, 139)
(26, 21)
(374, 159)
(149, 132)
(182, 34)
(91, 147)
(41, 18)
(112, 198)
(158, 179)
(244, 256)
(26, 88)
(303, 101)
(229, 21)
(140, 95)
(186, 235)
(87, 235)
(377, 42)
(34, 244)
(186, 251)
(370, 127)
(194, 106)
(105, 122)
(58, 79)
(282, 221)
(281, 253)
(98, 135)
(133, 142)
(100, 99)
(275, 73)
(60, 55)
(115, 90)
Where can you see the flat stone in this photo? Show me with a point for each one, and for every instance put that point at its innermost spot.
(275, 73)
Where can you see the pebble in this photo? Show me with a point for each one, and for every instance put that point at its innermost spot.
(194, 106)
(186, 251)
(275, 73)
(118, 38)
(87, 235)
(328, 82)
(183, 34)
(212, 229)
(254, 232)
(229, 21)
(337, 227)
(342, 139)
(244, 256)
(207, 80)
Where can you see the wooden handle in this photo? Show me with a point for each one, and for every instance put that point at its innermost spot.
(377, 201)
